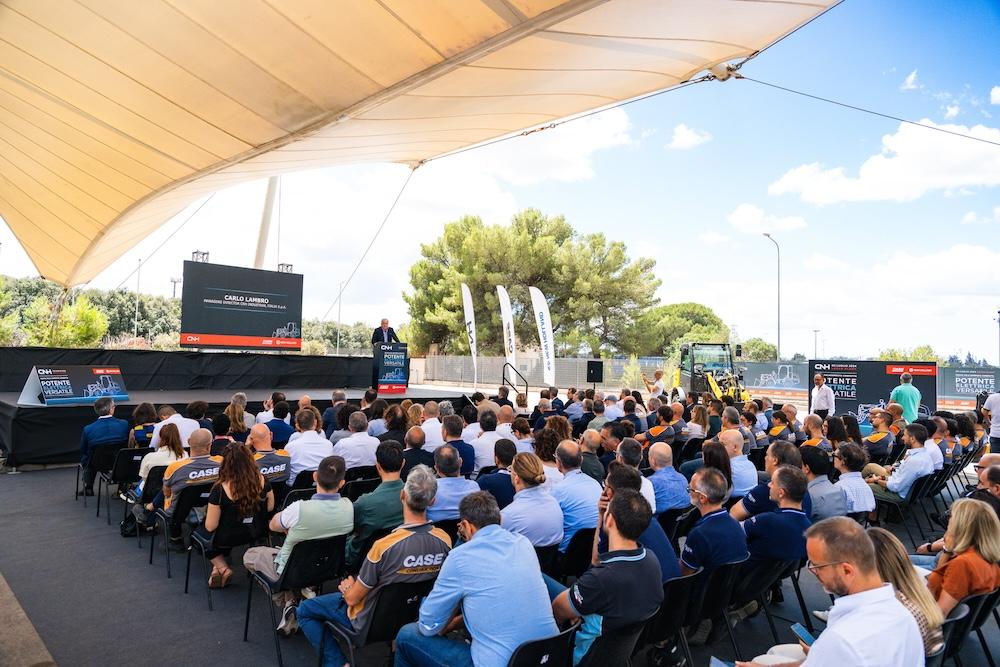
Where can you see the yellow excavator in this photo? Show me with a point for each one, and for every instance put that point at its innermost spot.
(709, 367)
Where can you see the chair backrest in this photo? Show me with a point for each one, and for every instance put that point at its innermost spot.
(758, 576)
(359, 487)
(691, 447)
(298, 494)
(578, 554)
(190, 497)
(719, 589)
(989, 604)
(680, 595)
(360, 472)
(920, 488)
(449, 526)
(304, 480)
(555, 651)
(682, 526)
(395, 606)
(860, 517)
(103, 456)
(313, 561)
(668, 518)
(614, 647)
(964, 625)
(153, 484)
(548, 559)
(957, 616)
(127, 463)
(236, 530)
(487, 470)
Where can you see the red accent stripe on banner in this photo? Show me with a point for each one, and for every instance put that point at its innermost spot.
(899, 369)
(392, 388)
(270, 343)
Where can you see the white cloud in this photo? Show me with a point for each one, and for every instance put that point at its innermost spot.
(995, 95)
(910, 82)
(713, 238)
(951, 110)
(685, 138)
(973, 218)
(912, 162)
(751, 219)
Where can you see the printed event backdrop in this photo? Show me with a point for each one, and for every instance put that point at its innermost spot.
(862, 385)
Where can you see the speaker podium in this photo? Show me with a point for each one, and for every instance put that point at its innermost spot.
(390, 368)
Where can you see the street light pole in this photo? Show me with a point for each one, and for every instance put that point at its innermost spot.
(340, 300)
(778, 248)
(815, 343)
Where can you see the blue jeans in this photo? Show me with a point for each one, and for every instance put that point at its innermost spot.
(689, 468)
(413, 648)
(313, 613)
(928, 561)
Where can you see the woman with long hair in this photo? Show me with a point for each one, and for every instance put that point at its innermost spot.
(241, 488)
(911, 590)
(143, 422)
(237, 424)
(546, 442)
(414, 415)
(533, 513)
(835, 431)
(853, 430)
(170, 450)
(395, 424)
(714, 455)
(561, 426)
(969, 555)
(521, 404)
(698, 425)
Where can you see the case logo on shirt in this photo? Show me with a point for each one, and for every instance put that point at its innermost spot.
(201, 474)
(273, 470)
(423, 560)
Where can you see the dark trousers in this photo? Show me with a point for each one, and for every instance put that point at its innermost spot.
(822, 414)
(89, 474)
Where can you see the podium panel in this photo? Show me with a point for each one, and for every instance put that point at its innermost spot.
(392, 367)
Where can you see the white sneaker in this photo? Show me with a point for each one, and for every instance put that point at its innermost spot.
(821, 615)
(289, 624)
(308, 593)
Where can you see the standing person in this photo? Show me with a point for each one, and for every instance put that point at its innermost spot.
(656, 387)
(384, 333)
(907, 396)
(105, 430)
(991, 415)
(823, 401)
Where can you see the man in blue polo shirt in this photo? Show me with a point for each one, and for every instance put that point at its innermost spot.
(499, 483)
(577, 493)
(780, 535)
(759, 499)
(669, 486)
(451, 432)
(280, 430)
(492, 585)
(717, 538)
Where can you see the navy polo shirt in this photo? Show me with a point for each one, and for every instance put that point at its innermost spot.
(759, 501)
(654, 539)
(500, 485)
(778, 535)
(468, 454)
(715, 540)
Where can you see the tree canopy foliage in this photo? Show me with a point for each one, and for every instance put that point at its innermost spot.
(758, 349)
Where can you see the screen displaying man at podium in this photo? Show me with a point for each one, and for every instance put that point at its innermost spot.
(384, 334)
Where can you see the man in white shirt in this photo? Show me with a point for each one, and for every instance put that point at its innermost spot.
(611, 409)
(823, 401)
(357, 449)
(867, 624)
(656, 387)
(268, 412)
(991, 412)
(485, 444)
(168, 415)
(505, 417)
(431, 427)
(309, 448)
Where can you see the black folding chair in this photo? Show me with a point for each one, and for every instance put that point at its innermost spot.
(360, 472)
(354, 566)
(152, 486)
(691, 449)
(189, 498)
(125, 470)
(718, 593)
(793, 572)
(298, 494)
(905, 506)
(682, 598)
(303, 480)
(668, 518)
(957, 616)
(614, 647)
(555, 651)
(964, 626)
(311, 563)
(578, 554)
(755, 579)
(682, 526)
(395, 606)
(548, 559)
(234, 530)
(101, 460)
(359, 487)
(449, 526)
(988, 608)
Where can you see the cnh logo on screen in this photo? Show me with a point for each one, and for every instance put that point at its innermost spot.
(192, 339)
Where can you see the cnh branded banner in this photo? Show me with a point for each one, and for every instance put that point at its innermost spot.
(541, 309)
(72, 385)
(470, 330)
(507, 321)
(233, 307)
(860, 386)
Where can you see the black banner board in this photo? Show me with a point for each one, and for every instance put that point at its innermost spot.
(860, 386)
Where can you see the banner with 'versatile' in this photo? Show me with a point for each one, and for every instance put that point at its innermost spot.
(541, 309)
(507, 321)
(470, 330)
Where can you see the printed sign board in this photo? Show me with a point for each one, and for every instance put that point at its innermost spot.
(860, 386)
(72, 385)
(392, 368)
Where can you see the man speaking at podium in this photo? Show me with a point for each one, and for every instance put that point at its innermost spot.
(384, 334)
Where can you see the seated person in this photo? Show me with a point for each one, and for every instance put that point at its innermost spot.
(197, 410)
(309, 448)
(414, 453)
(759, 500)
(622, 588)
(324, 515)
(850, 459)
(105, 430)
(630, 453)
(534, 513)
(483, 444)
(274, 463)
(451, 431)
(381, 509)
(780, 429)
(780, 535)
(357, 449)
(717, 538)
(499, 483)
(880, 441)
(144, 421)
(813, 426)
(827, 499)
(968, 563)
(281, 431)
(578, 493)
(389, 561)
(492, 571)
(199, 468)
(170, 450)
(669, 486)
(242, 488)
(168, 415)
(793, 423)
(221, 427)
(452, 487)
(895, 482)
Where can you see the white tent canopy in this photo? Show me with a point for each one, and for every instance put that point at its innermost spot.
(116, 114)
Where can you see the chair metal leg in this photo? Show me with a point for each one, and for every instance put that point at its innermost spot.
(802, 604)
(986, 648)
(250, 586)
(732, 637)
(274, 629)
(770, 619)
(152, 541)
(76, 492)
(685, 647)
(187, 571)
(100, 482)
(107, 501)
(208, 589)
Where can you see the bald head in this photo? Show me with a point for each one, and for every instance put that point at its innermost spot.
(568, 456)
(813, 425)
(678, 409)
(415, 438)
(732, 440)
(988, 460)
(505, 415)
(259, 438)
(661, 456)
(591, 440)
(201, 441)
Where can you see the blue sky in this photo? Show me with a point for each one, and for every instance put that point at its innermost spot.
(908, 253)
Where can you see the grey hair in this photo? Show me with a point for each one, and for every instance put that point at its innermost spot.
(338, 395)
(240, 399)
(544, 405)
(445, 408)
(654, 404)
(357, 422)
(420, 488)
(712, 484)
(732, 415)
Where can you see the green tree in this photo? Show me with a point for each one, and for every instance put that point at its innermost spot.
(8, 319)
(919, 353)
(758, 349)
(78, 324)
(660, 331)
(595, 292)
(157, 314)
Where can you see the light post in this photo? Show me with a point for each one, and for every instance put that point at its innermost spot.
(340, 300)
(815, 343)
(778, 248)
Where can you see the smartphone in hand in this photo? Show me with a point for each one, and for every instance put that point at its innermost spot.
(803, 634)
